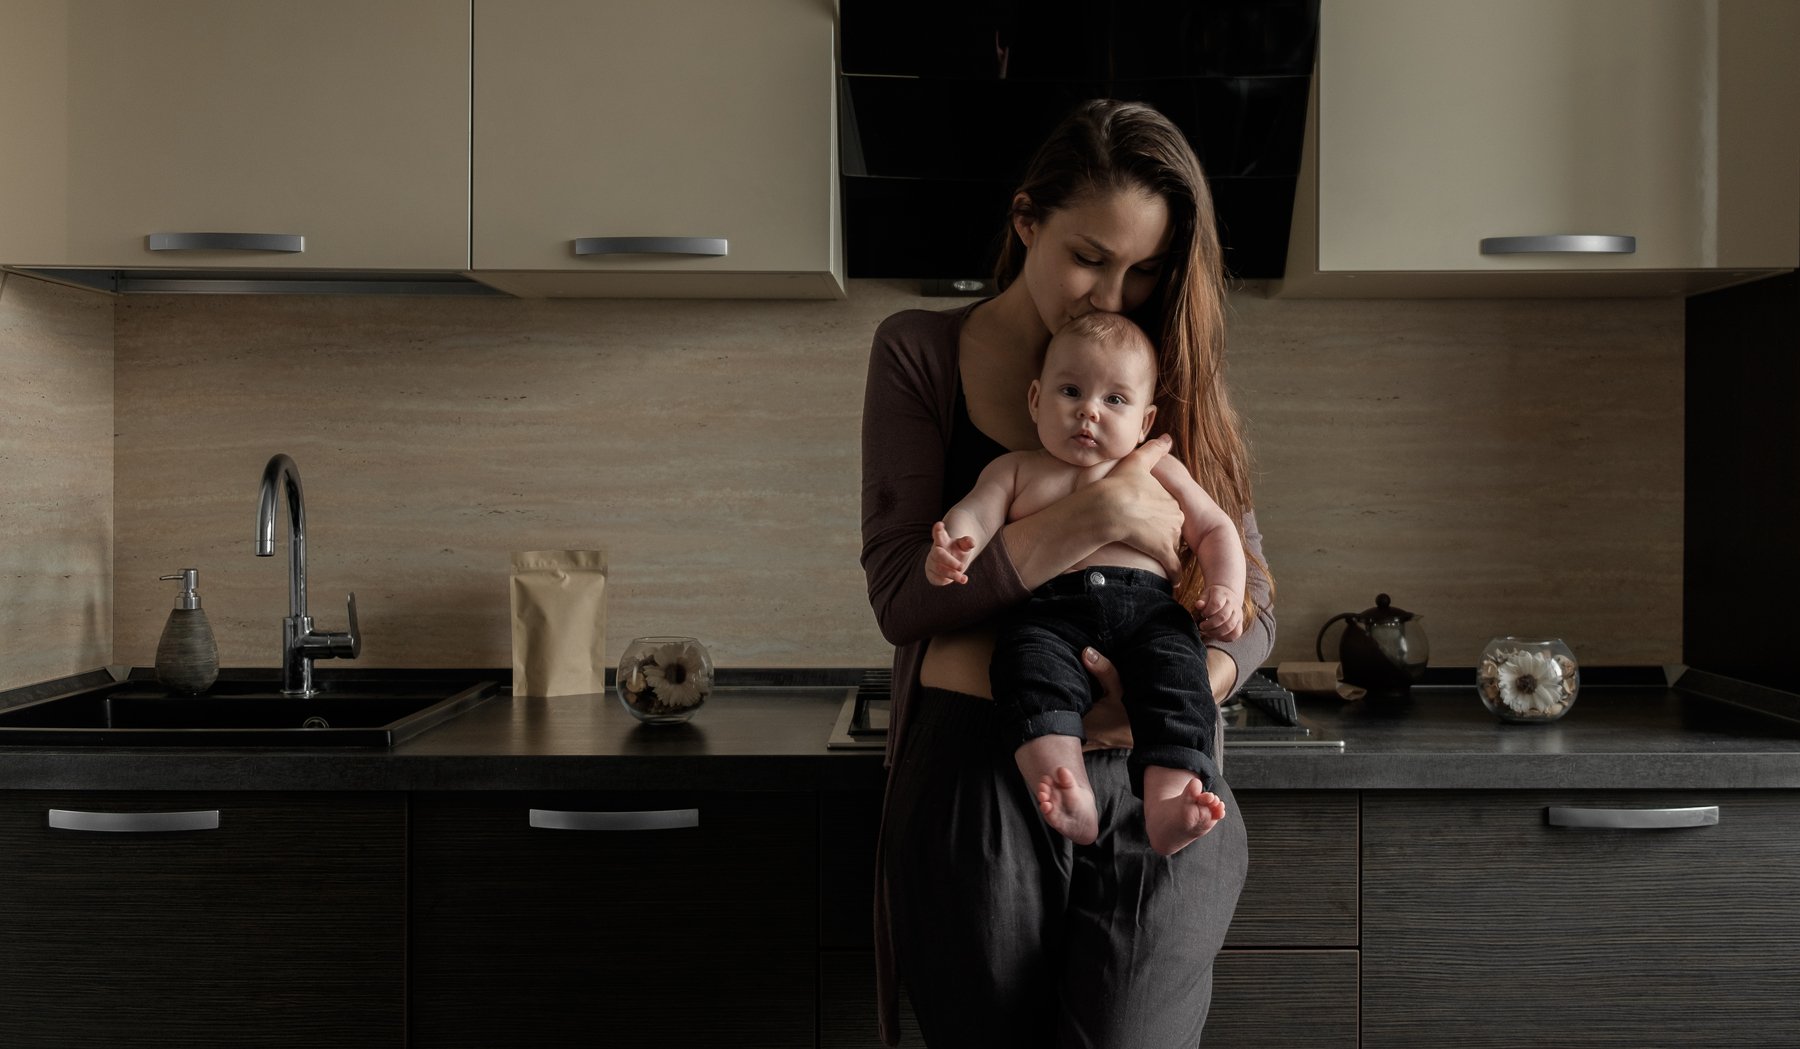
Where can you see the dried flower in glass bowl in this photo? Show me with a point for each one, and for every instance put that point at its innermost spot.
(1526, 679)
(664, 680)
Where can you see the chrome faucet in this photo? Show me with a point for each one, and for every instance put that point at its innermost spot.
(300, 643)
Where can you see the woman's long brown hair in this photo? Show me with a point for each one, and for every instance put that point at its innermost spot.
(1106, 145)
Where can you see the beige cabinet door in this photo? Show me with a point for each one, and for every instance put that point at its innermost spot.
(684, 138)
(1444, 124)
(130, 123)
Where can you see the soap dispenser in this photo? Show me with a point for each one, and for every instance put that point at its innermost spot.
(187, 657)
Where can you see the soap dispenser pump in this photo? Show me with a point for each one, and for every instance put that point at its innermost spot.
(187, 657)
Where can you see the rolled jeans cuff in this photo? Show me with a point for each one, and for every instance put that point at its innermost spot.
(1017, 733)
(1170, 756)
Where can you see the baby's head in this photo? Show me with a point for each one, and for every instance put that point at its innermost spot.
(1094, 399)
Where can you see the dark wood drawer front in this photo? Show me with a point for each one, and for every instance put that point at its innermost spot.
(285, 926)
(1485, 926)
(1283, 1000)
(693, 936)
(1302, 886)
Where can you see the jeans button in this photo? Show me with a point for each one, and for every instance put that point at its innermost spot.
(1096, 579)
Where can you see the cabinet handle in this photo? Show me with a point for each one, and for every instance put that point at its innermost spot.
(289, 242)
(1634, 819)
(1562, 243)
(134, 822)
(650, 246)
(653, 819)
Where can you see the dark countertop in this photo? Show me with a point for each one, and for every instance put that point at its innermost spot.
(773, 738)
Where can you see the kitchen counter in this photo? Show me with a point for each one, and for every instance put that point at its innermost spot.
(773, 738)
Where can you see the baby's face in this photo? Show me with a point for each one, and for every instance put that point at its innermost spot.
(1093, 403)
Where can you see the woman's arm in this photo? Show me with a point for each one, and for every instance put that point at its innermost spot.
(903, 447)
(1128, 506)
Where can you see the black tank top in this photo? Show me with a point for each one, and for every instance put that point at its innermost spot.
(969, 453)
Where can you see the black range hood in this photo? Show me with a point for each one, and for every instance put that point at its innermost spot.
(942, 102)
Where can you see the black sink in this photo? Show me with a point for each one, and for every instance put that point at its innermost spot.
(246, 709)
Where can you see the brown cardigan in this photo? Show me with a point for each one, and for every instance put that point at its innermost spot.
(908, 407)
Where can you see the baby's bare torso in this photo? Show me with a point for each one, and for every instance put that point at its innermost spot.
(1042, 479)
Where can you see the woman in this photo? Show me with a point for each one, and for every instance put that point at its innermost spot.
(1003, 931)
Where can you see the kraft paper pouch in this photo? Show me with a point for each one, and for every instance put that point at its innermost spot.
(558, 622)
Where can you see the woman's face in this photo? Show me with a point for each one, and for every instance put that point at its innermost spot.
(1103, 252)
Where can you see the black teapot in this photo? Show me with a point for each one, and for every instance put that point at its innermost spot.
(1383, 648)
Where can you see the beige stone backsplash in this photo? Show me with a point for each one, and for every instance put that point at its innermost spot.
(56, 476)
(1501, 466)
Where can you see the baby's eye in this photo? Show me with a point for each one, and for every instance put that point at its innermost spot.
(1068, 391)
(1114, 399)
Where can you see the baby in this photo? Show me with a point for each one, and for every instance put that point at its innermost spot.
(1093, 403)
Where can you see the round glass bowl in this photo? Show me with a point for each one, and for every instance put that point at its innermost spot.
(1527, 679)
(664, 680)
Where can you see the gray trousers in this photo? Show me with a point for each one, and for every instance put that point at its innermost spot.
(1008, 934)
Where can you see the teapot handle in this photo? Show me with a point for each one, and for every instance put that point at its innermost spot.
(1319, 645)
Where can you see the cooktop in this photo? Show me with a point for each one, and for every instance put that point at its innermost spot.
(1260, 714)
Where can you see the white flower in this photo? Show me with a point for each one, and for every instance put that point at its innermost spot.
(1530, 681)
(679, 676)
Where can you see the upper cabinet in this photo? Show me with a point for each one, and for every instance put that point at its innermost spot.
(1534, 147)
(330, 134)
(680, 148)
(677, 148)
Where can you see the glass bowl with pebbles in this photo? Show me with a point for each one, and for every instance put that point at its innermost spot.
(1528, 679)
(664, 680)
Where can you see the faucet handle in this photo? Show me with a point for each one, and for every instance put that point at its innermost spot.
(333, 644)
(355, 634)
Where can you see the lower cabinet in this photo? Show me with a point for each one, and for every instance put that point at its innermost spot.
(191, 920)
(742, 919)
(614, 918)
(1287, 978)
(1485, 923)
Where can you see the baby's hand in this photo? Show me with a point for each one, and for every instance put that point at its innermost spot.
(1220, 613)
(948, 559)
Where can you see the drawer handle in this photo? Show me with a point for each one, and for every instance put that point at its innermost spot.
(651, 246)
(288, 242)
(133, 822)
(653, 819)
(1562, 243)
(1634, 819)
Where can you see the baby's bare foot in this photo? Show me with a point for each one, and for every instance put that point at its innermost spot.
(1177, 810)
(1068, 806)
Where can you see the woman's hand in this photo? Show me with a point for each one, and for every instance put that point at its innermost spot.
(1147, 517)
(1105, 723)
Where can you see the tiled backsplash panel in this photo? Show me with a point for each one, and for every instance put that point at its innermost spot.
(1500, 466)
(56, 479)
